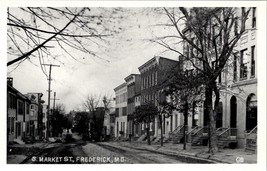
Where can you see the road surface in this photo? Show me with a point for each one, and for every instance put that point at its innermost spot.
(80, 152)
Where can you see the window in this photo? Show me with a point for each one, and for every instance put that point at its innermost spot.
(149, 83)
(27, 108)
(243, 17)
(143, 83)
(11, 101)
(253, 61)
(156, 78)
(253, 17)
(220, 78)
(124, 111)
(243, 64)
(117, 112)
(236, 26)
(19, 129)
(235, 67)
(12, 124)
(27, 127)
(152, 79)
(21, 107)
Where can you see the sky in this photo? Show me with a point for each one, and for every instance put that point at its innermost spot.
(74, 81)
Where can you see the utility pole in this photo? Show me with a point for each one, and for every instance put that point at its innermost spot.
(48, 129)
(54, 107)
(54, 104)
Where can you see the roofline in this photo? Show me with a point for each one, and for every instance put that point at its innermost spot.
(120, 86)
(19, 93)
(169, 59)
(149, 61)
(126, 78)
(159, 58)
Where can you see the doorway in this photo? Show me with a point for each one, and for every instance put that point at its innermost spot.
(251, 112)
(233, 112)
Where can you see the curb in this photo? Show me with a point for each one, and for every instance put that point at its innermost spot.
(182, 157)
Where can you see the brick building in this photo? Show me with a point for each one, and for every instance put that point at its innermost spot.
(153, 73)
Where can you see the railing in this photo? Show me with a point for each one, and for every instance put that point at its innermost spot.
(253, 131)
(220, 130)
(251, 137)
(228, 133)
(176, 130)
(189, 134)
(202, 130)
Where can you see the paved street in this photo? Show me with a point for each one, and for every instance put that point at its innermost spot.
(79, 152)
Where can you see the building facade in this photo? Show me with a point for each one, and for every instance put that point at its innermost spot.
(238, 88)
(36, 115)
(133, 83)
(239, 99)
(109, 121)
(153, 74)
(121, 111)
(17, 113)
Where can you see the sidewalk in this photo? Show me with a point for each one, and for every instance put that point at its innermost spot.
(231, 156)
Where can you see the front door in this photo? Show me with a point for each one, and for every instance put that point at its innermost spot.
(251, 113)
(233, 115)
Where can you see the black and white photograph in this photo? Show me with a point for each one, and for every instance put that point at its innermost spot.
(125, 84)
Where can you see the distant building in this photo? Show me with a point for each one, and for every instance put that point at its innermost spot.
(121, 111)
(133, 83)
(36, 116)
(109, 120)
(96, 124)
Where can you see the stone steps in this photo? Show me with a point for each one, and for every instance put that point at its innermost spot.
(251, 148)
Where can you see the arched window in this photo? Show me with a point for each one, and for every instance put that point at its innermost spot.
(251, 112)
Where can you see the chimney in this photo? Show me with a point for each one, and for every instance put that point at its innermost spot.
(10, 81)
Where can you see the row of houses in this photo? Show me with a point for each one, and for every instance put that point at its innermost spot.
(237, 114)
(26, 115)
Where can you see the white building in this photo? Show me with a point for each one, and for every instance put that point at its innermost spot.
(121, 111)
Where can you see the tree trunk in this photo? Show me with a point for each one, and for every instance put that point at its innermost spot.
(213, 148)
(148, 134)
(185, 123)
(161, 130)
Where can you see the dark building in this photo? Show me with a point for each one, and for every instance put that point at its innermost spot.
(153, 74)
(17, 113)
(96, 124)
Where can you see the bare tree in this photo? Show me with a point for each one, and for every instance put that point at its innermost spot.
(91, 102)
(209, 36)
(107, 100)
(33, 31)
